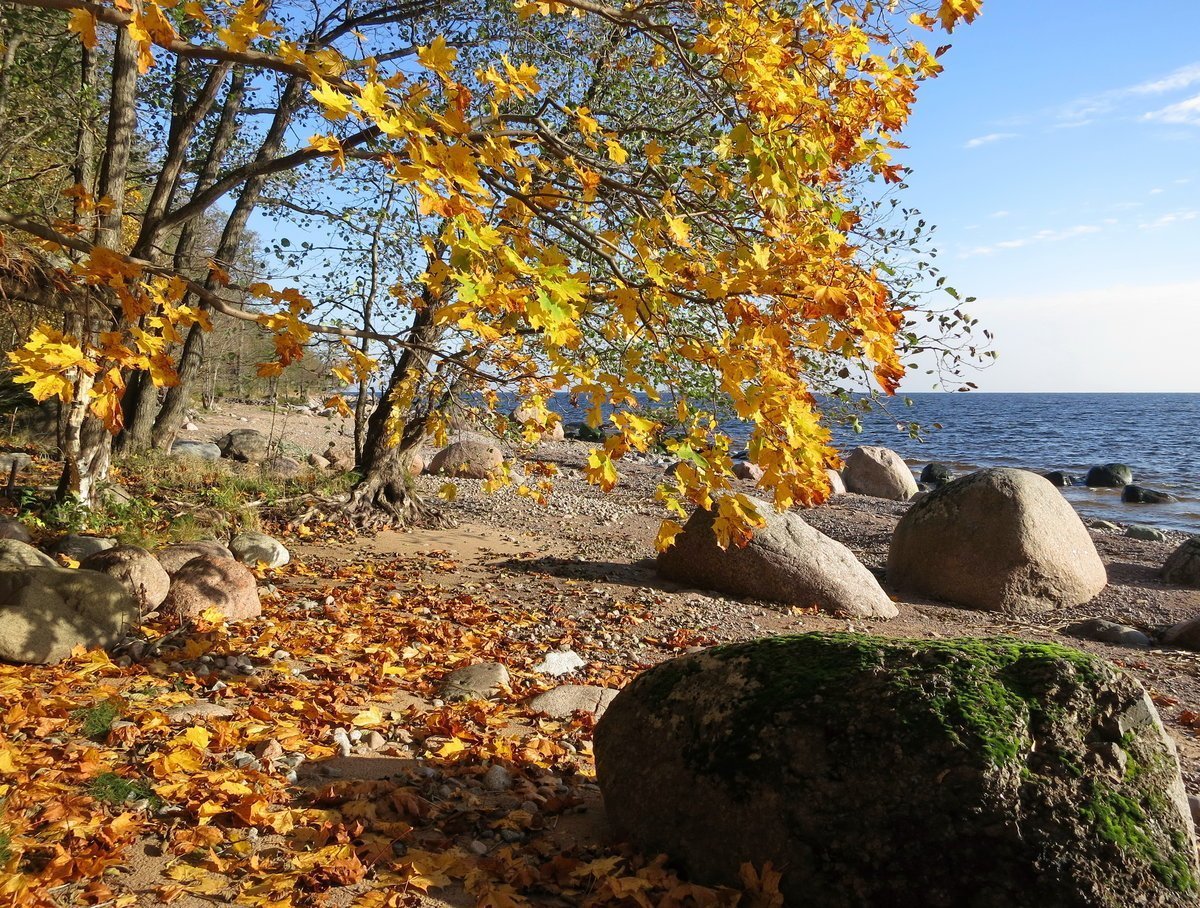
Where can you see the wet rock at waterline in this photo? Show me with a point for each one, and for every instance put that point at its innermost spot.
(1140, 495)
(877, 772)
(1111, 475)
(936, 475)
(1000, 540)
(786, 561)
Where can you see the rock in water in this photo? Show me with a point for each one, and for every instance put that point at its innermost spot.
(1140, 495)
(473, 458)
(936, 475)
(1183, 566)
(45, 612)
(786, 561)
(1059, 479)
(1000, 540)
(136, 570)
(1109, 476)
(879, 472)
(244, 445)
(210, 582)
(873, 772)
(259, 548)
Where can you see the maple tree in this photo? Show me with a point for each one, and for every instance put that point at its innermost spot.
(578, 235)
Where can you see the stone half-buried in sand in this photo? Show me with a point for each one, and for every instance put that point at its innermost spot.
(991, 773)
(999, 540)
(786, 561)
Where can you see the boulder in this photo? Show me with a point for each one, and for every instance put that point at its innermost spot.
(317, 462)
(13, 459)
(244, 445)
(45, 612)
(259, 548)
(836, 486)
(173, 557)
(11, 528)
(1145, 533)
(282, 466)
(79, 547)
(1106, 526)
(473, 682)
(136, 570)
(583, 432)
(567, 699)
(1185, 635)
(1110, 475)
(744, 469)
(560, 662)
(197, 450)
(416, 461)
(936, 475)
(114, 495)
(872, 772)
(999, 540)
(1107, 632)
(879, 472)
(1183, 566)
(1059, 479)
(471, 457)
(1140, 495)
(786, 561)
(337, 460)
(15, 555)
(212, 582)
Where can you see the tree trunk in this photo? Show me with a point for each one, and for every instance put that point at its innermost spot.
(170, 416)
(87, 452)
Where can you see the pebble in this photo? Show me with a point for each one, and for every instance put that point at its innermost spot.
(478, 847)
(375, 741)
(342, 741)
(497, 778)
(243, 760)
(559, 662)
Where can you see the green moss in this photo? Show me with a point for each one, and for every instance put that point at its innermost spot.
(114, 789)
(977, 695)
(96, 721)
(1123, 823)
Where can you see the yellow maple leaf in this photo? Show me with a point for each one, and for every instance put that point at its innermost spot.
(334, 105)
(438, 57)
(83, 23)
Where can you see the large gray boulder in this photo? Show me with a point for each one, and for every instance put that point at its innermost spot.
(79, 546)
(45, 612)
(244, 445)
(259, 548)
(11, 528)
(471, 457)
(1182, 568)
(786, 561)
(873, 772)
(136, 570)
(10, 459)
(173, 557)
(879, 472)
(197, 450)
(1000, 540)
(211, 582)
(15, 555)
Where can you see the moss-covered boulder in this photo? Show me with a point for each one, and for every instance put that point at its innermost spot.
(989, 773)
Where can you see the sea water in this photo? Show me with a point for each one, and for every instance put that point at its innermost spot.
(1157, 435)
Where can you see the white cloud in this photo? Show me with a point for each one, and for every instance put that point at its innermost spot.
(1157, 190)
(1174, 217)
(1184, 77)
(1182, 113)
(989, 139)
(1042, 236)
(998, 214)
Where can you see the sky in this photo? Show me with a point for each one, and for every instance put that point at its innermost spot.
(1059, 157)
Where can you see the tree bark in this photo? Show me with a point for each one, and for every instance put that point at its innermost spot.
(87, 447)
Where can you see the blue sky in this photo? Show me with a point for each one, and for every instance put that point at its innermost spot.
(1059, 156)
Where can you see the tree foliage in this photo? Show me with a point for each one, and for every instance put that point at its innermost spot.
(610, 199)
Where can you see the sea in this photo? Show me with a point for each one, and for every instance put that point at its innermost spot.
(1157, 435)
